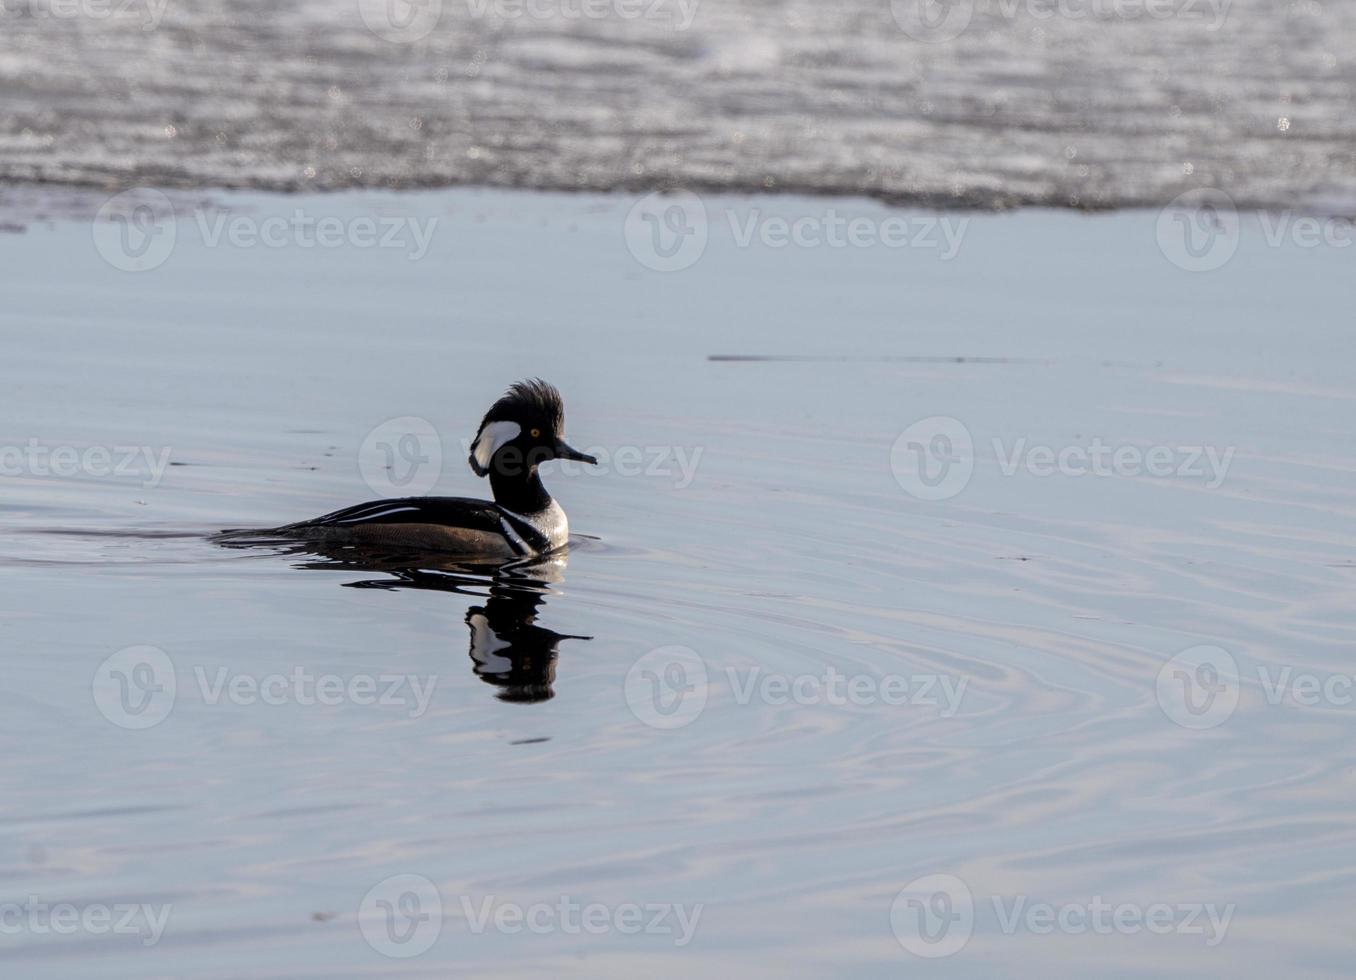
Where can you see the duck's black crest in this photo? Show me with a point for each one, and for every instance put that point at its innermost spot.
(529, 401)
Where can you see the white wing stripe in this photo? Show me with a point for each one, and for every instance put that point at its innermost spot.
(369, 516)
(514, 537)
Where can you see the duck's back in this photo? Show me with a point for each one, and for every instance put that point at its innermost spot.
(459, 524)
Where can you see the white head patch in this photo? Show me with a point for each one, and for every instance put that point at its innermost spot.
(487, 443)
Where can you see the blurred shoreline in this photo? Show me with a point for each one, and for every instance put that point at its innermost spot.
(1030, 103)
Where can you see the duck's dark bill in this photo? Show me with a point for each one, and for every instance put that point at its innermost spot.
(564, 451)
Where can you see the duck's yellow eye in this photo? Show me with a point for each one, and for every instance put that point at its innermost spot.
(536, 433)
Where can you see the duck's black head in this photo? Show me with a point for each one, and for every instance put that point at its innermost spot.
(524, 428)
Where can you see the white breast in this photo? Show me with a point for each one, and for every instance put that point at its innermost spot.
(550, 521)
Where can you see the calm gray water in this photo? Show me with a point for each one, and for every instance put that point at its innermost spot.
(1023, 705)
(1082, 103)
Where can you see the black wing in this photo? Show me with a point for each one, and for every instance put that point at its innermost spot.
(463, 512)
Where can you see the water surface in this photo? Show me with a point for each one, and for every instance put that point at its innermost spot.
(535, 771)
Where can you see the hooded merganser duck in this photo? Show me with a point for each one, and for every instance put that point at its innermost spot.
(524, 428)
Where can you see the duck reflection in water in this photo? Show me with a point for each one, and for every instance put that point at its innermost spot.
(508, 648)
